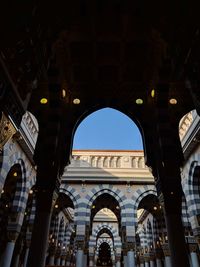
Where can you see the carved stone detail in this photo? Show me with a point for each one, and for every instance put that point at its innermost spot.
(7, 130)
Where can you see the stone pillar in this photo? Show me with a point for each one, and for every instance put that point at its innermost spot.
(84, 259)
(16, 263)
(158, 256)
(79, 258)
(194, 259)
(158, 262)
(39, 241)
(130, 258)
(166, 252)
(193, 252)
(125, 261)
(8, 253)
(142, 264)
(26, 257)
(118, 264)
(91, 262)
(152, 259)
(51, 260)
(62, 262)
(167, 162)
(168, 261)
(58, 261)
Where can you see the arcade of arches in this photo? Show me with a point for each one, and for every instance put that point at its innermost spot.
(106, 212)
(59, 62)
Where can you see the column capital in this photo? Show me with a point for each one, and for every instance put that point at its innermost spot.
(165, 248)
(12, 236)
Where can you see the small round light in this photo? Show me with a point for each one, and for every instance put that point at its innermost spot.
(6, 205)
(173, 101)
(139, 101)
(15, 174)
(93, 207)
(63, 93)
(56, 206)
(155, 208)
(2, 191)
(43, 101)
(31, 191)
(172, 193)
(117, 207)
(153, 93)
(76, 101)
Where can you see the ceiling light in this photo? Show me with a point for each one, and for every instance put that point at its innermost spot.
(117, 207)
(63, 93)
(56, 206)
(31, 191)
(93, 207)
(173, 101)
(15, 174)
(153, 93)
(76, 101)
(155, 208)
(139, 101)
(43, 101)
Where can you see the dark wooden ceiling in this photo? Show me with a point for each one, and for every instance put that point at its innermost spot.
(104, 52)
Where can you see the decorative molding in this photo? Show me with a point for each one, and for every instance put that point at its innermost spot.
(7, 130)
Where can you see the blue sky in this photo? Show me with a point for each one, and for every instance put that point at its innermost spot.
(107, 129)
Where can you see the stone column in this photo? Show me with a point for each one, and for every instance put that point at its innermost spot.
(193, 253)
(158, 256)
(79, 258)
(167, 162)
(16, 263)
(51, 260)
(8, 253)
(39, 241)
(125, 261)
(166, 252)
(91, 261)
(152, 258)
(118, 264)
(58, 261)
(158, 262)
(142, 264)
(26, 257)
(130, 258)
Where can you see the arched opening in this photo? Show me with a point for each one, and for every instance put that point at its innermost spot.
(151, 230)
(13, 180)
(104, 257)
(107, 201)
(23, 241)
(61, 232)
(107, 128)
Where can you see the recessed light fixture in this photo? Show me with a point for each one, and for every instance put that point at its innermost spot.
(139, 101)
(56, 206)
(63, 93)
(155, 208)
(15, 174)
(43, 101)
(153, 93)
(76, 101)
(173, 101)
